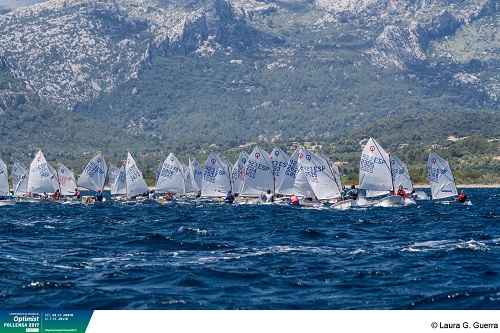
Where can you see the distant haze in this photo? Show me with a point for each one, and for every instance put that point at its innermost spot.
(6, 5)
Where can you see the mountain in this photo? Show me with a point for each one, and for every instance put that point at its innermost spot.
(243, 70)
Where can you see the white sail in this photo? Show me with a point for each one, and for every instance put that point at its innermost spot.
(66, 180)
(294, 179)
(216, 181)
(239, 170)
(319, 176)
(334, 169)
(280, 161)
(19, 178)
(135, 182)
(42, 177)
(374, 170)
(258, 174)
(94, 174)
(440, 177)
(400, 174)
(196, 172)
(4, 180)
(171, 177)
(117, 180)
(158, 171)
(189, 174)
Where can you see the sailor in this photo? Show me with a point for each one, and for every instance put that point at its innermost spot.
(77, 194)
(55, 196)
(269, 196)
(414, 194)
(229, 197)
(293, 200)
(98, 196)
(343, 194)
(462, 197)
(353, 193)
(401, 192)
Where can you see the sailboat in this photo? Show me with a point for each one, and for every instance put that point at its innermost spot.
(67, 183)
(19, 180)
(117, 181)
(171, 177)
(66, 180)
(440, 178)
(259, 177)
(93, 176)
(5, 199)
(401, 177)
(134, 179)
(280, 161)
(42, 178)
(216, 181)
(375, 174)
(307, 175)
(238, 172)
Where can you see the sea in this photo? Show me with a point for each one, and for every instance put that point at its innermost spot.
(207, 255)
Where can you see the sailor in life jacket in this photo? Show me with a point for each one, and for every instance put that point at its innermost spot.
(353, 193)
(462, 197)
(293, 200)
(269, 197)
(401, 192)
(229, 197)
(55, 196)
(98, 196)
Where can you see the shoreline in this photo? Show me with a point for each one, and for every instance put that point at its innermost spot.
(414, 185)
(462, 186)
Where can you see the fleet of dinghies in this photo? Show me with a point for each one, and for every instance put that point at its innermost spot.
(255, 178)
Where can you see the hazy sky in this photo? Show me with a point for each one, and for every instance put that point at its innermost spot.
(13, 4)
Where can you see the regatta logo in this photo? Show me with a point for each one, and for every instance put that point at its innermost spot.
(63, 180)
(372, 148)
(300, 155)
(308, 157)
(257, 155)
(241, 172)
(171, 159)
(277, 153)
(244, 160)
(213, 161)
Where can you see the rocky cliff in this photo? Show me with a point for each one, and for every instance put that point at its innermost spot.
(70, 51)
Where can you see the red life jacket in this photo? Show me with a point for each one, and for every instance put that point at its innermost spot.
(294, 200)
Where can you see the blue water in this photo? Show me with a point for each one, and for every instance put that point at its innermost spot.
(201, 255)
